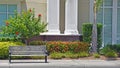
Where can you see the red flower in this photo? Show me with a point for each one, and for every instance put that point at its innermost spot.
(39, 15)
(7, 23)
(16, 33)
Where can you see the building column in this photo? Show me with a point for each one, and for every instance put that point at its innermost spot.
(71, 17)
(53, 18)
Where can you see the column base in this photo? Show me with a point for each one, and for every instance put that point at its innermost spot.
(71, 32)
(60, 37)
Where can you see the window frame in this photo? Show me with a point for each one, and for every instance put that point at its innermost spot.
(13, 2)
(114, 19)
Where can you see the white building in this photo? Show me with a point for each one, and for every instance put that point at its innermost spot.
(66, 16)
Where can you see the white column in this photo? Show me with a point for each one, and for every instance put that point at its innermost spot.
(71, 17)
(53, 12)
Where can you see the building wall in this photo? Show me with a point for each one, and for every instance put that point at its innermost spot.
(40, 7)
(83, 13)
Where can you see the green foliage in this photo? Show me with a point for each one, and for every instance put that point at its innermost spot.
(98, 4)
(71, 55)
(108, 52)
(112, 53)
(56, 55)
(38, 43)
(83, 54)
(8, 39)
(87, 33)
(24, 25)
(111, 50)
(4, 48)
(115, 47)
(59, 49)
(63, 47)
(104, 50)
(96, 55)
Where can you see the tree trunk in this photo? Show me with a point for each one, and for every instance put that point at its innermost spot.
(94, 31)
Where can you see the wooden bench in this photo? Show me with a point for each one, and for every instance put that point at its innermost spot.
(28, 51)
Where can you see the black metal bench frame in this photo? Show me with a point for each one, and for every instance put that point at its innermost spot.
(28, 51)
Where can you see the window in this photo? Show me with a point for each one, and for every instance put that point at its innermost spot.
(6, 11)
(109, 16)
(104, 16)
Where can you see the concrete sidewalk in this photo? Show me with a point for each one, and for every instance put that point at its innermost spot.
(60, 64)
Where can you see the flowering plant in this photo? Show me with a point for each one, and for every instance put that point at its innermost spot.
(24, 25)
(62, 47)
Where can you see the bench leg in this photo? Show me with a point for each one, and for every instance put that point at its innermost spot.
(9, 59)
(45, 59)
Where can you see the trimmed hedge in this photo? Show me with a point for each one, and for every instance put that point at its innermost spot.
(87, 32)
(62, 47)
(4, 48)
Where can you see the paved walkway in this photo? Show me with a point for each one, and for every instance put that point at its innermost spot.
(60, 64)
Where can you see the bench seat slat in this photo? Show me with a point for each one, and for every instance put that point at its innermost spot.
(30, 55)
(28, 51)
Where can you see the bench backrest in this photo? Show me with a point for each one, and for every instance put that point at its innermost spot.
(27, 50)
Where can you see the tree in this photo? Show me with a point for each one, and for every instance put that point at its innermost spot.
(97, 5)
(24, 25)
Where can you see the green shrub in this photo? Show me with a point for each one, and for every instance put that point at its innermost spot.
(87, 32)
(108, 52)
(56, 55)
(76, 55)
(104, 50)
(4, 48)
(96, 55)
(83, 54)
(24, 25)
(59, 49)
(62, 47)
(3, 39)
(115, 47)
(72, 55)
(111, 53)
